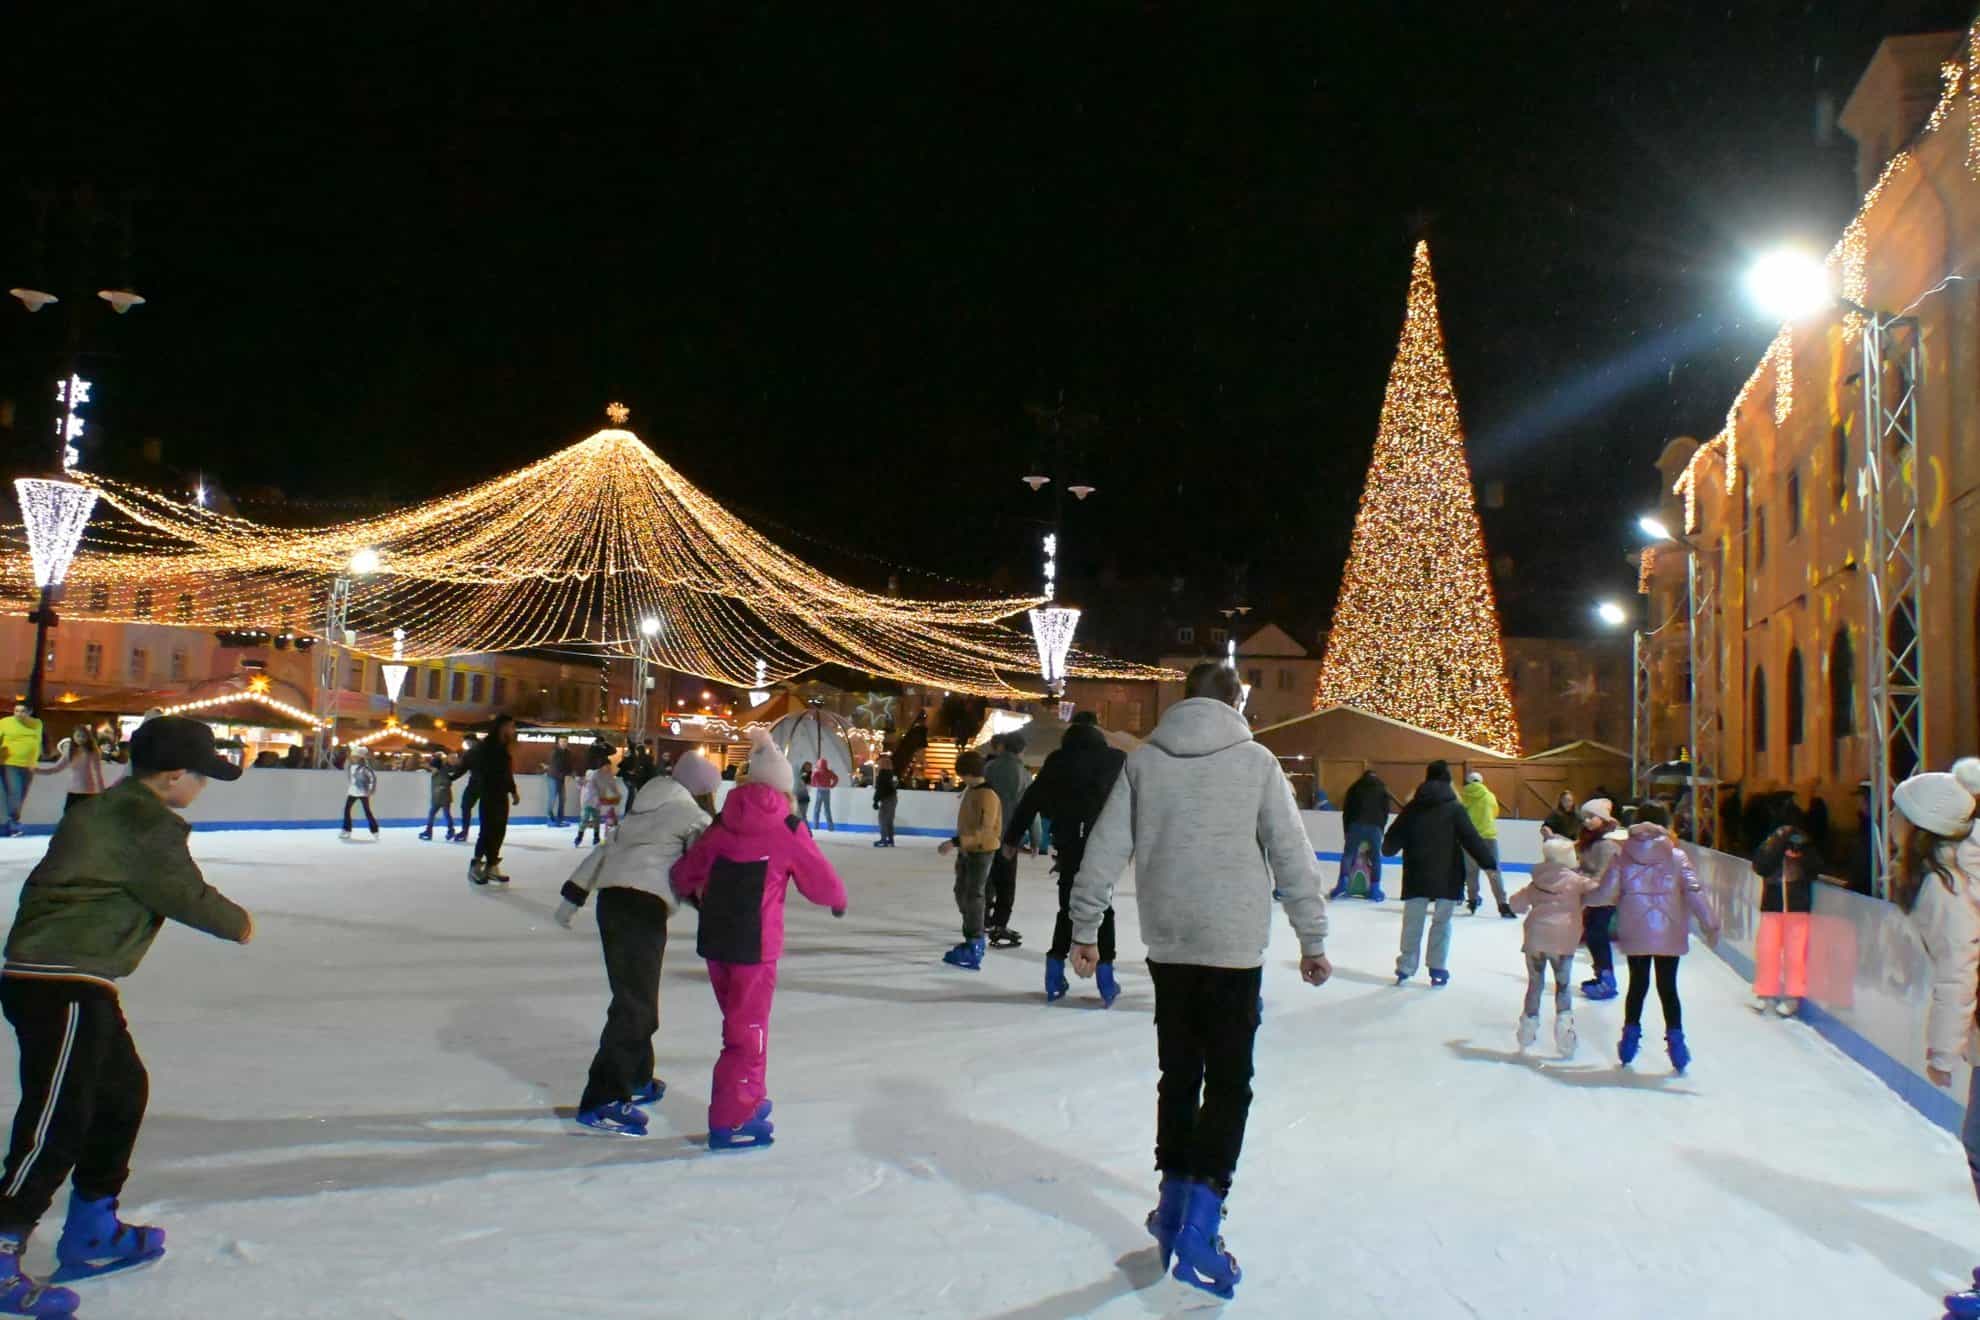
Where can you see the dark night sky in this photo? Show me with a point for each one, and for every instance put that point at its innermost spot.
(829, 253)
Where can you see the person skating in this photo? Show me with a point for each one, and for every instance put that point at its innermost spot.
(1433, 832)
(20, 752)
(1563, 822)
(495, 767)
(979, 831)
(600, 797)
(555, 776)
(1483, 807)
(470, 766)
(1597, 846)
(1552, 901)
(1789, 866)
(1364, 815)
(737, 874)
(82, 758)
(1934, 827)
(631, 874)
(116, 870)
(823, 780)
(439, 795)
(886, 799)
(1210, 823)
(1005, 773)
(1655, 893)
(362, 782)
(1070, 790)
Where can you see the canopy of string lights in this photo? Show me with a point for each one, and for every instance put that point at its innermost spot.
(583, 547)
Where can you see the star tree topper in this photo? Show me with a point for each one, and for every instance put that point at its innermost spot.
(618, 413)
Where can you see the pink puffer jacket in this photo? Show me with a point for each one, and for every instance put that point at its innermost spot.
(1656, 894)
(1553, 903)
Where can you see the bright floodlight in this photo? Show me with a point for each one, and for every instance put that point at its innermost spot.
(1789, 284)
(1612, 614)
(649, 626)
(1654, 528)
(365, 561)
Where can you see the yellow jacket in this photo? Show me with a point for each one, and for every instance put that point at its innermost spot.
(980, 819)
(20, 739)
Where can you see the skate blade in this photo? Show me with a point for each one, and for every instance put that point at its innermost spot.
(97, 1269)
(587, 1130)
(1204, 1283)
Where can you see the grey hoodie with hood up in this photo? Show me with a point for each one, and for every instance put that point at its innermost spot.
(1210, 823)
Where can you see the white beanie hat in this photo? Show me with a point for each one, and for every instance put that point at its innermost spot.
(767, 765)
(1474, 778)
(697, 774)
(1557, 849)
(1967, 771)
(1936, 802)
(1599, 808)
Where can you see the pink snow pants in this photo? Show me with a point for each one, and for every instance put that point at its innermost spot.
(1783, 939)
(743, 991)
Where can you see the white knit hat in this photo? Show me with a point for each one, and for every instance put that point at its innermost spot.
(1967, 771)
(767, 765)
(1474, 778)
(1599, 808)
(1557, 849)
(1936, 802)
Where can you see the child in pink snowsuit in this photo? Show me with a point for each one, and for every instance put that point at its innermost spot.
(737, 874)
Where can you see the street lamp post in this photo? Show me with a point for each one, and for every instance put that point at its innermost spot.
(649, 628)
(55, 512)
(1053, 624)
(1702, 649)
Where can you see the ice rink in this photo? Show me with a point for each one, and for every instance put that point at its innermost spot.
(356, 1117)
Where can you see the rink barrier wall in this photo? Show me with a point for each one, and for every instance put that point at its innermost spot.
(1869, 981)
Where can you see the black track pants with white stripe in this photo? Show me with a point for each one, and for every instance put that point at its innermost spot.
(83, 1092)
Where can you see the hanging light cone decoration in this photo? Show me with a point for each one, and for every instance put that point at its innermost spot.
(1052, 628)
(576, 548)
(1416, 630)
(395, 673)
(55, 513)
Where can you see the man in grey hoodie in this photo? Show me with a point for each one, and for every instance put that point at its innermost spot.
(1210, 822)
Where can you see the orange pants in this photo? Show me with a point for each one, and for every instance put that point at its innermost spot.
(1781, 954)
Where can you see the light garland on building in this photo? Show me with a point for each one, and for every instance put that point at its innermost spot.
(1416, 631)
(576, 548)
(252, 698)
(392, 731)
(56, 512)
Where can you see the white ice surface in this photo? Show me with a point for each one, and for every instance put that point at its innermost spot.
(353, 1117)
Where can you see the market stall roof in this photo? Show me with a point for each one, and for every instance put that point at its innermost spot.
(220, 700)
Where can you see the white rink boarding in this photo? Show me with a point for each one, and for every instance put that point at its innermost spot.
(355, 1116)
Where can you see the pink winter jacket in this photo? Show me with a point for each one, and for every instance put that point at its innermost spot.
(1656, 893)
(737, 873)
(1553, 900)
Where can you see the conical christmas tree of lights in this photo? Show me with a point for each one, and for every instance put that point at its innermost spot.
(1416, 630)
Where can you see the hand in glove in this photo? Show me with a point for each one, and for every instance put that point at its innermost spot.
(565, 911)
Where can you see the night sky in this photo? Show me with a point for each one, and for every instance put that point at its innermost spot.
(831, 255)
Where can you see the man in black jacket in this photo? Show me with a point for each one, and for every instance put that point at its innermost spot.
(494, 765)
(1071, 788)
(1364, 811)
(1433, 833)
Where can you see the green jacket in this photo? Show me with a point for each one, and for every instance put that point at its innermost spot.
(117, 867)
(1483, 809)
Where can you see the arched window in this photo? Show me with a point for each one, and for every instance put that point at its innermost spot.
(1796, 703)
(1842, 684)
(1757, 715)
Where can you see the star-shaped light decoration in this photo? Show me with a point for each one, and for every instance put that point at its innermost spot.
(259, 683)
(617, 413)
(878, 708)
(1582, 689)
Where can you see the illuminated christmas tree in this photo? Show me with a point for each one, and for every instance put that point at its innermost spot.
(1416, 630)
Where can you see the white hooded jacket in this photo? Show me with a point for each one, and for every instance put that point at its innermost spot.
(663, 823)
(1209, 820)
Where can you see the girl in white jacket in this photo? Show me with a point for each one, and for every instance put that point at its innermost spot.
(634, 901)
(1934, 825)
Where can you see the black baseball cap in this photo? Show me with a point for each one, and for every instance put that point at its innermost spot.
(174, 742)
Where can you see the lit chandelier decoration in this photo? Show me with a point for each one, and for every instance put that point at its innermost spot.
(394, 674)
(575, 548)
(1052, 626)
(55, 513)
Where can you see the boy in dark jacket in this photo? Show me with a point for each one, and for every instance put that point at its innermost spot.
(115, 871)
(1433, 834)
(1364, 811)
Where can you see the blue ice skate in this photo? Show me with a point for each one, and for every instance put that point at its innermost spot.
(1439, 977)
(1338, 891)
(757, 1130)
(1375, 894)
(650, 1094)
(20, 1295)
(94, 1241)
(1055, 979)
(1110, 989)
(618, 1119)
(1165, 1220)
(1201, 1260)
(1631, 1042)
(1601, 986)
(1680, 1052)
(1965, 1305)
(968, 955)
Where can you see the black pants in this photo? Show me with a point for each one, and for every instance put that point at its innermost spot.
(1667, 990)
(1003, 890)
(1206, 1019)
(83, 1093)
(885, 809)
(435, 810)
(1595, 934)
(494, 828)
(632, 927)
(1062, 929)
(369, 818)
(469, 796)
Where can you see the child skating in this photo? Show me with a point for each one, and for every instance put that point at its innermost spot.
(1656, 894)
(1553, 902)
(439, 795)
(116, 870)
(363, 782)
(979, 833)
(635, 899)
(737, 874)
(600, 798)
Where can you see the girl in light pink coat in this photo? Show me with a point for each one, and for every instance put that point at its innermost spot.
(737, 874)
(1553, 903)
(1656, 893)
